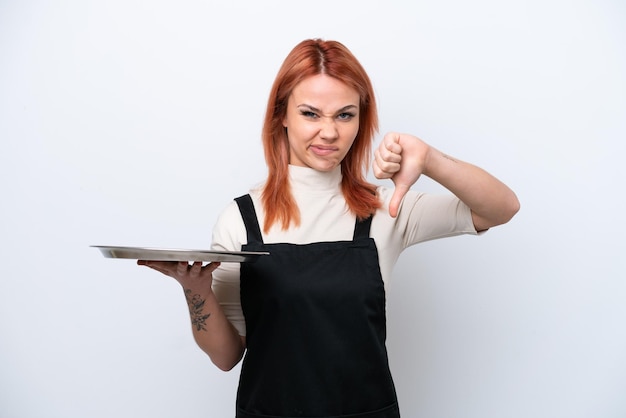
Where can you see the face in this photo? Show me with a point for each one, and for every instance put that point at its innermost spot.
(322, 121)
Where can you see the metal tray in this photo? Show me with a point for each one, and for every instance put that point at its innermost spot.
(171, 254)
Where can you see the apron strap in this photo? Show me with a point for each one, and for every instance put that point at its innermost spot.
(246, 207)
(362, 228)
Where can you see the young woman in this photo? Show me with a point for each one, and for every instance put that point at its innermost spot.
(310, 317)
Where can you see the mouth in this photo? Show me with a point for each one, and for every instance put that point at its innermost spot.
(322, 150)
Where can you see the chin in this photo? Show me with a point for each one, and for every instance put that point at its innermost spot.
(324, 167)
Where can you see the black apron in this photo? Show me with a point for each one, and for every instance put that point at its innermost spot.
(315, 329)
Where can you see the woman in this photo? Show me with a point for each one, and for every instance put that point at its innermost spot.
(310, 317)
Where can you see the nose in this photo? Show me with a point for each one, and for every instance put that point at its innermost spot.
(328, 130)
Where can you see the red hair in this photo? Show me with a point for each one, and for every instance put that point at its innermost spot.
(312, 57)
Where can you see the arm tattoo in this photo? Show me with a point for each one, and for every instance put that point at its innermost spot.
(448, 157)
(196, 305)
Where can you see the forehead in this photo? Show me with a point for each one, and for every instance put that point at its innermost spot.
(324, 92)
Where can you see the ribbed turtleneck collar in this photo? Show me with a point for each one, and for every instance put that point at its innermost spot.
(306, 178)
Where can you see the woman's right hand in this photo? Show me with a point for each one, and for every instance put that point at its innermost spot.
(190, 276)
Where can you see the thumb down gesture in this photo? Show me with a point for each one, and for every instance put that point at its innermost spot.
(401, 158)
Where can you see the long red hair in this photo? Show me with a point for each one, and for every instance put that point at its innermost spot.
(312, 57)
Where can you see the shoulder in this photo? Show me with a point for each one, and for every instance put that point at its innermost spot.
(229, 232)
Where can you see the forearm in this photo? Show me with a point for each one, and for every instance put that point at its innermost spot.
(491, 201)
(212, 331)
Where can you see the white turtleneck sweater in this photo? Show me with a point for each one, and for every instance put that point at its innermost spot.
(325, 217)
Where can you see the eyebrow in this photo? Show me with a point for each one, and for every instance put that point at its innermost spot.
(314, 109)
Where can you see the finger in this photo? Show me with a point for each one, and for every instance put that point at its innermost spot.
(378, 172)
(182, 267)
(390, 155)
(211, 266)
(195, 269)
(387, 157)
(389, 163)
(391, 142)
(384, 169)
(396, 199)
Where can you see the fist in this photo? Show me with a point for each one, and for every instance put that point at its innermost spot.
(401, 158)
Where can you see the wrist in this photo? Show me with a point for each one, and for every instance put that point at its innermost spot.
(432, 158)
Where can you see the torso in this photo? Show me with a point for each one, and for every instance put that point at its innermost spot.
(315, 319)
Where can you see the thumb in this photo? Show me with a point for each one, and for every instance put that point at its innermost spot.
(396, 198)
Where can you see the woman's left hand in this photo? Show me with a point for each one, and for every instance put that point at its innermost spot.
(401, 158)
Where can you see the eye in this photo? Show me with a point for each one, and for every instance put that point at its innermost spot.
(345, 116)
(308, 114)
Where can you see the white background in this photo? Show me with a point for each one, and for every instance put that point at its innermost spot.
(127, 122)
